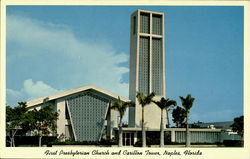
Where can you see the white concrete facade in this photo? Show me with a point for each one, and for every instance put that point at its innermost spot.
(147, 65)
(177, 135)
(60, 102)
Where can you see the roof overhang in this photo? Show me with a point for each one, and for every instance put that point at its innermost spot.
(70, 92)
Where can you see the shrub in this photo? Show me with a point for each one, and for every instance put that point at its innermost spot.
(138, 143)
(149, 142)
(233, 143)
(70, 142)
(108, 142)
(32, 140)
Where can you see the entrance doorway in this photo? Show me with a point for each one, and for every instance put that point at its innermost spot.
(128, 138)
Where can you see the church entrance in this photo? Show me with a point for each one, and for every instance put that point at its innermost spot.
(128, 138)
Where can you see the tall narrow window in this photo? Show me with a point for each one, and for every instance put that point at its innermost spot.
(157, 66)
(69, 132)
(66, 112)
(145, 23)
(144, 62)
(134, 25)
(157, 24)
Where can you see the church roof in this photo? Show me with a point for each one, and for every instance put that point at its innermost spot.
(70, 92)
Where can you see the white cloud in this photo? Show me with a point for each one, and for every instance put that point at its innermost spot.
(13, 93)
(52, 53)
(37, 89)
(30, 90)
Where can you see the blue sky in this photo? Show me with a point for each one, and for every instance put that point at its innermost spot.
(55, 48)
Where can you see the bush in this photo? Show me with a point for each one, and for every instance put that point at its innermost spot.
(70, 142)
(32, 140)
(138, 143)
(153, 141)
(149, 142)
(108, 142)
(233, 143)
(167, 138)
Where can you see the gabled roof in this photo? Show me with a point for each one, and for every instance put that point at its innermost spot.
(70, 92)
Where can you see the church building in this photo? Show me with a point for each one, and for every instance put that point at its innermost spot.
(84, 113)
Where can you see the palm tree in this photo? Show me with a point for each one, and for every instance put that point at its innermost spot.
(187, 103)
(164, 104)
(144, 100)
(121, 108)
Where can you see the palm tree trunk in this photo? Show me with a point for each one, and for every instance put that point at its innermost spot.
(11, 142)
(143, 130)
(40, 141)
(120, 133)
(167, 118)
(187, 133)
(162, 130)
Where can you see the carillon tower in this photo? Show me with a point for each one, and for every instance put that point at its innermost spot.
(147, 64)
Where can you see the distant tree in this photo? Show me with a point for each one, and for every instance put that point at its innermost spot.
(187, 104)
(179, 116)
(194, 125)
(164, 104)
(238, 125)
(14, 120)
(121, 108)
(144, 100)
(42, 122)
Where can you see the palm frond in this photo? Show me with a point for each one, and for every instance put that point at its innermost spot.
(121, 106)
(187, 102)
(140, 97)
(172, 102)
(149, 98)
(165, 103)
